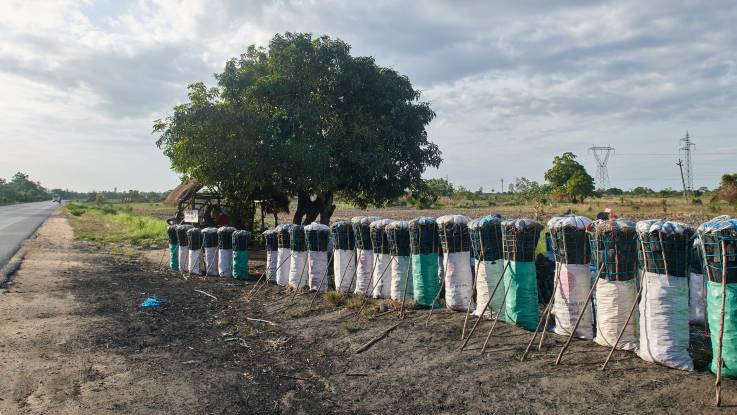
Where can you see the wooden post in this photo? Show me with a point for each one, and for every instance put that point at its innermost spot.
(718, 382)
(488, 302)
(580, 316)
(342, 275)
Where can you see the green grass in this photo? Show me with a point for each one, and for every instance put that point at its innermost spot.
(115, 224)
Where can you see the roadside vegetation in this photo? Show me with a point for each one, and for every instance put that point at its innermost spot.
(20, 189)
(115, 223)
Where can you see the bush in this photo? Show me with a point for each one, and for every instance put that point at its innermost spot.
(697, 201)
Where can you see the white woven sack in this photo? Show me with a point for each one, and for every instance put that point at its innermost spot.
(317, 261)
(283, 264)
(458, 280)
(574, 284)
(298, 269)
(195, 256)
(489, 273)
(344, 269)
(614, 299)
(183, 259)
(400, 272)
(225, 262)
(271, 264)
(211, 261)
(664, 327)
(364, 269)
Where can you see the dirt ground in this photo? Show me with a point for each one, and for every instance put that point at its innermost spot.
(74, 340)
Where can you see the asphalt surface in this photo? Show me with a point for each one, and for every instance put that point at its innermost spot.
(18, 222)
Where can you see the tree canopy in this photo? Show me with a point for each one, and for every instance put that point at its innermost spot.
(569, 179)
(303, 118)
(20, 189)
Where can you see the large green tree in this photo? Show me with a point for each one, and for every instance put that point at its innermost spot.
(306, 119)
(569, 179)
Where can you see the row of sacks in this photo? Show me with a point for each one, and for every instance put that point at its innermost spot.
(415, 260)
(210, 251)
(648, 284)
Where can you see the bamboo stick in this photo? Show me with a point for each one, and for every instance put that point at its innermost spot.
(720, 343)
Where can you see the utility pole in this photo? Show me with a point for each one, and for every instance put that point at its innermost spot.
(685, 193)
(601, 154)
(686, 148)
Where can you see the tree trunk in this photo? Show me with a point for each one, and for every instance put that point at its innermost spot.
(308, 210)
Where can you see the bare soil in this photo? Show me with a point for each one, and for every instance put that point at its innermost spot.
(74, 340)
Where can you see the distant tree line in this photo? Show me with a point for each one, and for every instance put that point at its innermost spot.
(20, 189)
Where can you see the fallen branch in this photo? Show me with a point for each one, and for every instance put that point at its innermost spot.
(207, 294)
(377, 338)
(356, 374)
(261, 321)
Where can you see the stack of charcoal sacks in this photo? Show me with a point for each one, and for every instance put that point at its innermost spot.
(183, 248)
(456, 243)
(664, 250)
(298, 266)
(719, 243)
(194, 240)
(519, 239)
(241, 238)
(486, 240)
(381, 279)
(364, 253)
(271, 244)
(397, 234)
(284, 258)
(614, 256)
(425, 243)
(171, 232)
(225, 251)
(572, 256)
(344, 256)
(317, 236)
(210, 242)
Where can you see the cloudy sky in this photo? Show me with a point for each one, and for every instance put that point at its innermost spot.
(513, 83)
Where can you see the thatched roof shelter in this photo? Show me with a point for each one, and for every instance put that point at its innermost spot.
(182, 192)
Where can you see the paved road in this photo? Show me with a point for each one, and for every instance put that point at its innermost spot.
(18, 222)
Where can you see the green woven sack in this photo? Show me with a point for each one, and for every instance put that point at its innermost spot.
(174, 257)
(520, 307)
(240, 264)
(729, 339)
(425, 279)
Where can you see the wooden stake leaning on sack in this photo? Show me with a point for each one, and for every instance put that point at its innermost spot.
(543, 317)
(580, 315)
(442, 283)
(295, 290)
(496, 318)
(475, 288)
(404, 293)
(720, 342)
(351, 260)
(322, 281)
(488, 302)
(632, 310)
